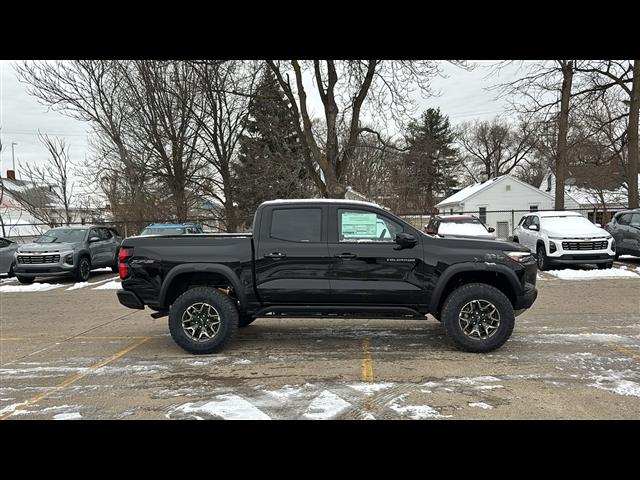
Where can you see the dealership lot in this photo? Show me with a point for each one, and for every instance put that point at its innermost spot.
(70, 350)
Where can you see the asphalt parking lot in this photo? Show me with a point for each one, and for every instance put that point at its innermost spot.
(70, 351)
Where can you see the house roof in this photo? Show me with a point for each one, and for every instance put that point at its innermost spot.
(472, 190)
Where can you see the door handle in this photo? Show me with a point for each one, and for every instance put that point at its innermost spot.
(345, 255)
(275, 255)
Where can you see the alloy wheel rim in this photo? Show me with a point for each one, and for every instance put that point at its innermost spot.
(201, 322)
(479, 319)
(84, 269)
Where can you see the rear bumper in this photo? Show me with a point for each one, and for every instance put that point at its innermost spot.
(129, 299)
(527, 298)
(576, 259)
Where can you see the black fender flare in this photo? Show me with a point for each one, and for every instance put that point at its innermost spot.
(480, 266)
(83, 252)
(201, 268)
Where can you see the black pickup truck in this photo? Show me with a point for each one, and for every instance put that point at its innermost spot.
(310, 258)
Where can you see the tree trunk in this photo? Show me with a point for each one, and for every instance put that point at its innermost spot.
(563, 128)
(632, 135)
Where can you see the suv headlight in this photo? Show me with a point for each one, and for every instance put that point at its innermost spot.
(520, 257)
(613, 244)
(552, 247)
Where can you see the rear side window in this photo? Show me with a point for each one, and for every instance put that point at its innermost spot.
(625, 219)
(635, 220)
(296, 224)
(105, 233)
(4, 243)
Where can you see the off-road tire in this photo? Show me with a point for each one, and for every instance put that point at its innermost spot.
(543, 260)
(477, 291)
(227, 312)
(80, 276)
(25, 280)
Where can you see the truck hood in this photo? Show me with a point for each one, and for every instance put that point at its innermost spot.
(587, 231)
(47, 247)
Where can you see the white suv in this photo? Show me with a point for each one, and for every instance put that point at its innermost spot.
(565, 238)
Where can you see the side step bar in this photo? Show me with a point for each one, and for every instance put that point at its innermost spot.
(338, 310)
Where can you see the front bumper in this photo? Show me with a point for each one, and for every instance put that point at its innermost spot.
(129, 299)
(42, 270)
(580, 259)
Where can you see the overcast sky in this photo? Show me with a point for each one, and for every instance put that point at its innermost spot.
(463, 97)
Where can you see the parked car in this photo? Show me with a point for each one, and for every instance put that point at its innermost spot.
(459, 226)
(7, 258)
(311, 257)
(565, 238)
(171, 229)
(625, 229)
(71, 251)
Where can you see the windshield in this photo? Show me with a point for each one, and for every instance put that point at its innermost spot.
(163, 231)
(62, 235)
(567, 224)
(466, 227)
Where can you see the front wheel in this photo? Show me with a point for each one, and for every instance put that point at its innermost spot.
(25, 280)
(202, 320)
(478, 317)
(84, 269)
(543, 260)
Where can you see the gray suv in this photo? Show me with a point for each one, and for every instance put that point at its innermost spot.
(625, 228)
(72, 251)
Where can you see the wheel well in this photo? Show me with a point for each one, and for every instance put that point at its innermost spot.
(494, 279)
(538, 243)
(184, 281)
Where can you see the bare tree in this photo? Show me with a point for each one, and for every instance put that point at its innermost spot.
(349, 91)
(494, 147)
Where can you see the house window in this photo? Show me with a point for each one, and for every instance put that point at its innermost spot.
(482, 212)
(549, 183)
(533, 208)
(508, 188)
(451, 211)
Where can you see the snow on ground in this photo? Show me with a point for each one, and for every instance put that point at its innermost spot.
(68, 416)
(415, 412)
(112, 285)
(326, 405)
(88, 284)
(483, 405)
(569, 274)
(228, 407)
(34, 287)
(370, 388)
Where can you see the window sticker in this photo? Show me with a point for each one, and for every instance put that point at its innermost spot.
(359, 225)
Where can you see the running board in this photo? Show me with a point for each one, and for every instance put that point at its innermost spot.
(161, 314)
(355, 311)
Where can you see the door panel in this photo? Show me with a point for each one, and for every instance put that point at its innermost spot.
(292, 258)
(367, 268)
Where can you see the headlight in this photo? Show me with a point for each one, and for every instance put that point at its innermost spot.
(613, 244)
(552, 247)
(520, 257)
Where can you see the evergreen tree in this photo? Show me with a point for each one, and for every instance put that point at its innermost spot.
(270, 161)
(431, 162)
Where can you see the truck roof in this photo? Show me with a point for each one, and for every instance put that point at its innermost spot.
(171, 225)
(320, 200)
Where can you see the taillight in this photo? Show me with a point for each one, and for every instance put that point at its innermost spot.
(123, 268)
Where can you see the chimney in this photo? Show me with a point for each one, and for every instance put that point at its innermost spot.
(11, 174)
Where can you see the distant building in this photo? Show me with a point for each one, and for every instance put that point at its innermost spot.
(499, 202)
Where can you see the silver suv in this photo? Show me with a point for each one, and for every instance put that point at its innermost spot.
(72, 251)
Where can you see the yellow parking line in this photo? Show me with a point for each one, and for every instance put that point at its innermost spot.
(367, 364)
(624, 350)
(77, 377)
(2, 339)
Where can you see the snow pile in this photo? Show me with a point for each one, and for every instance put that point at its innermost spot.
(482, 405)
(326, 405)
(592, 274)
(415, 412)
(370, 388)
(34, 287)
(68, 416)
(228, 407)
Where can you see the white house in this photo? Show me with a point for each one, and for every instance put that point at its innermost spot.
(499, 202)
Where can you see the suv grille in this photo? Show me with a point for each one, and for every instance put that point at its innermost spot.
(31, 259)
(600, 245)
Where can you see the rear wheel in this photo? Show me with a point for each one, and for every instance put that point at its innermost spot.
(202, 320)
(25, 280)
(603, 266)
(10, 272)
(116, 262)
(478, 317)
(543, 260)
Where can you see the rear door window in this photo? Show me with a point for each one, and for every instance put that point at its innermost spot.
(296, 224)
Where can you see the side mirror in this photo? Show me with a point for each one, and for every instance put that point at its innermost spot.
(534, 227)
(405, 240)
(491, 229)
(94, 239)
